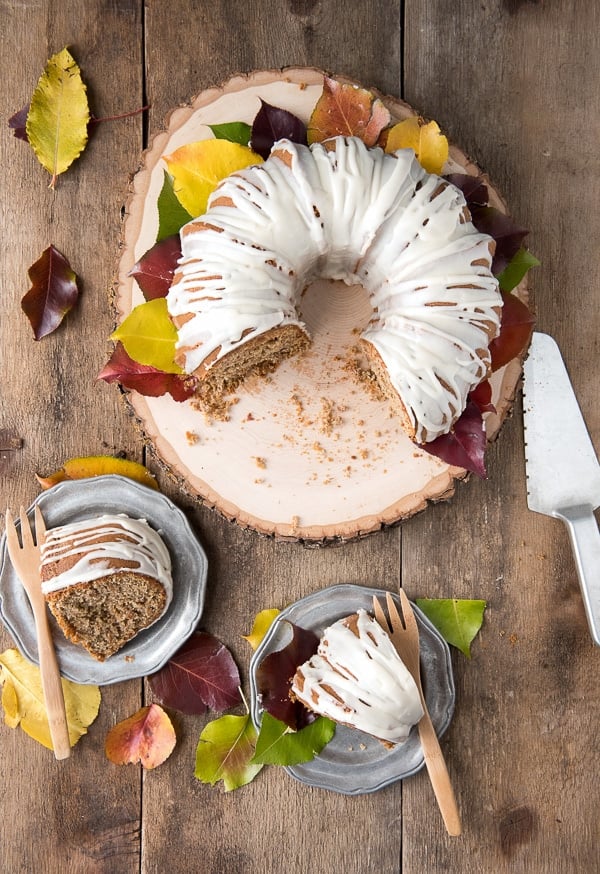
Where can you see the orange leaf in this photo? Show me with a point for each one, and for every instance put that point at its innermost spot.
(426, 139)
(147, 737)
(98, 465)
(347, 110)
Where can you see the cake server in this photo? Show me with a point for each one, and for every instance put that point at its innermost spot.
(563, 473)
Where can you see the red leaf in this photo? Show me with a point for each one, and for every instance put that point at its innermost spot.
(201, 674)
(346, 110)
(473, 187)
(155, 270)
(272, 124)
(17, 123)
(515, 331)
(465, 445)
(274, 676)
(53, 293)
(147, 737)
(143, 378)
(482, 397)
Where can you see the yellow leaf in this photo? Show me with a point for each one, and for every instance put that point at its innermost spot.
(23, 700)
(426, 139)
(197, 169)
(149, 335)
(262, 623)
(98, 465)
(57, 121)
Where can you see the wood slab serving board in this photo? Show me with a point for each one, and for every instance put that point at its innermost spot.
(308, 454)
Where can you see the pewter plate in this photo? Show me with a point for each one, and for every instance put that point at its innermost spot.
(354, 763)
(148, 652)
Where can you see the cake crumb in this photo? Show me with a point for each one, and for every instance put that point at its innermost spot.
(329, 418)
(260, 462)
(192, 438)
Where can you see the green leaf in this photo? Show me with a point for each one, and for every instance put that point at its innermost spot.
(149, 336)
(458, 621)
(234, 131)
(57, 121)
(279, 745)
(225, 751)
(171, 214)
(516, 269)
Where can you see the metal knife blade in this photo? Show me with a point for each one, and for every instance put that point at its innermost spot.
(563, 472)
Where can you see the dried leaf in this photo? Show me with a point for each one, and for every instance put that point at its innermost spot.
(53, 293)
(347, 110)
(277, 744)
(225, 752)
(146, 380)
(465, 445)
(424, 138)
(155, 270)
(149, 335)
(473, 187)
(233, 131)
(507, 234)
(516, 325)
(18, 123)
(271, 124)
(23, 700)
(262, 623)
(171, 217)
(458, 621)
(274, 676)
(57, 123)
(147, 737)
(197, 168)
(98, 465)
(481, 395)
(516, 269)
(201, 674)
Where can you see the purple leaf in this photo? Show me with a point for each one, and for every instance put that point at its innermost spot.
(201, 674)
(507, 234)
(272, 124)
(473, 188)
(18, 124)
(146, 380)
(52, 294)
(155, 270)
(465, 445)
(274, 676)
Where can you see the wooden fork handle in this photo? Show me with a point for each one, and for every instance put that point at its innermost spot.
(52, 686)
(439, 776)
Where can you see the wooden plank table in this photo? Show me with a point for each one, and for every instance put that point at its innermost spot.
(517, 84)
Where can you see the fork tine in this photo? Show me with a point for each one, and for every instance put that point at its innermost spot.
(379, 614)
(398, 622)
(40, 526)
(11, 531)
(408, 612)
(26, 533)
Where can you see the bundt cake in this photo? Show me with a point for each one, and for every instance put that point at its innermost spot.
(340, 210)
(358, 679)
(105, 580)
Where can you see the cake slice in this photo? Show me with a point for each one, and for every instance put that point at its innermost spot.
(105, 579)
(358, 679)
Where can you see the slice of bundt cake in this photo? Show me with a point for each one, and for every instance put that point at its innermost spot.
(105, 579)
(358, 679)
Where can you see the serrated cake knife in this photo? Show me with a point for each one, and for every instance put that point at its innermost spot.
(563, 472)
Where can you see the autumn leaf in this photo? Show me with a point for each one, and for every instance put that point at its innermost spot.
(262, 623)
(18, 123)
(274, 675)
(516, 325)
(155, 270)
(146, 380)
(516, 269)
(271, 124)
(201, 674)
(347, 110)
(98, 465)
(197, 168)
(23, 700)
(473, 187)
(424, 138)
(508, 235)
(465, 445)
(149, 335)
(147, 737)
(458, 621)
(57, 122)
(225, 752)
(277, 744)
(53, 292)
(481, 396)
(171, 217)
(233, 131)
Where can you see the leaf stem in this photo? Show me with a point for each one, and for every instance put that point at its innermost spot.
(94, 120)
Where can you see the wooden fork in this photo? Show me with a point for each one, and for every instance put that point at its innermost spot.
(26, 562)
(404, 634)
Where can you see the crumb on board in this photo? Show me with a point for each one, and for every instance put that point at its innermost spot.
(260, 462)
(192, 438)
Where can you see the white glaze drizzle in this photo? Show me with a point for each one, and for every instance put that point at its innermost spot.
(97, 559)
(357, 215)
(378, 694)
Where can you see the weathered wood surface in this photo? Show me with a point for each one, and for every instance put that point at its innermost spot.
(517, 84)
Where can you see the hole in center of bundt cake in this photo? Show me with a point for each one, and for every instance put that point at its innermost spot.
(332, 310)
